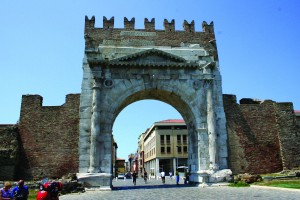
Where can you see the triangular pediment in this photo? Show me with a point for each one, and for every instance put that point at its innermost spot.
(151, 57)
(147, 58)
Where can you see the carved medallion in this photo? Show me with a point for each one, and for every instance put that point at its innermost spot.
(197, 84)
(108, 83)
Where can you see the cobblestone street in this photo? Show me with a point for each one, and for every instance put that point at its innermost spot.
(154, 189)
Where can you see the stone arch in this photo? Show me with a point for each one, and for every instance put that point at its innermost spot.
(127, 66)
(193, 99)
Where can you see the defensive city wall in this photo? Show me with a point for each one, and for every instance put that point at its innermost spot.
(263, 137)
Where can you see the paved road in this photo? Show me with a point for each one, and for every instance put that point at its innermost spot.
(155, 190)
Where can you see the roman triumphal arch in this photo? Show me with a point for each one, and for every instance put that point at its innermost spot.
(124, 65)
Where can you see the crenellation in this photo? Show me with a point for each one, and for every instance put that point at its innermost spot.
(149, 25)
(89, 23)
(169, 26)
(189, 27)
(108, 24)
(208, 28)
(129, 24)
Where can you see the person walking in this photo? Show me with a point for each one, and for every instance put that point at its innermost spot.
(177, 178)
(5, 192)
(170, 174)
(163, 176)
(20, 192)
(134, 175)
(145, 176)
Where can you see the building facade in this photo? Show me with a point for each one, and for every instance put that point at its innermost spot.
(165, 147)
(120, 166)
(141, 155)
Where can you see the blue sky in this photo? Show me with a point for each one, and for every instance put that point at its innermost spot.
(42, 46)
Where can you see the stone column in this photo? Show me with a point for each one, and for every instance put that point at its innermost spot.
(157, 167)
(174, 166)
(95, 128)
(211, 126)
(211, 119)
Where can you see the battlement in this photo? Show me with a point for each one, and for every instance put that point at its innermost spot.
(148, 25)
(149, 36)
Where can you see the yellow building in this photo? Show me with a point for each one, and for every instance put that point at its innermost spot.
(165, 146)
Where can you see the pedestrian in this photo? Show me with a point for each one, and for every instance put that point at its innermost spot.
(5, 192)
(186, 177)
(177, 178)
(20, 192)
(145, 176)
(163, 176)
(170, 174)
(134, 175)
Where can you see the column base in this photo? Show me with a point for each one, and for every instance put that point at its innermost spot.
(95, 181)
(210, 176)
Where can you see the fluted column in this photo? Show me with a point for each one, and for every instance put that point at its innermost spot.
(211, 127)
(211, 119)
(95, 128)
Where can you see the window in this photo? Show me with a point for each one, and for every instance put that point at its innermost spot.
(178, 139)
(178, 149)
(162, 139)
(162, 149)
(168, 149)
(185, 149)
(184, 139)
(168, 139)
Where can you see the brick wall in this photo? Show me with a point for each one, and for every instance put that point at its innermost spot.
(49, 137)
(262, 135)
(9, 151)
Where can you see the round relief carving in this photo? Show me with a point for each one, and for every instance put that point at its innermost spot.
(197, 84)
(108, 83)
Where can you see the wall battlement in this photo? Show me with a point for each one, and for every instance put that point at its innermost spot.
(130, 24)
(149, 36)
(55, 128)
(263, 135)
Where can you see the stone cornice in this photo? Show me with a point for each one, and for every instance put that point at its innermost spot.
(164, 59)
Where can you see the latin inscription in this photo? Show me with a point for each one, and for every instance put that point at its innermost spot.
(129, 42)
(137, 33)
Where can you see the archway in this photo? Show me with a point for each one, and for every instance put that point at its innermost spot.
(186, 77)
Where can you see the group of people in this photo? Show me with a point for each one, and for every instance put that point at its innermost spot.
(19, 192)
(163, 177)
(134, 176)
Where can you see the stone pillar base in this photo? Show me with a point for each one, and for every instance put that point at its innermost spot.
(210, 176)
(95, 181)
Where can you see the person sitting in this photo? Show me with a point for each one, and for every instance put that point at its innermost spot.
(5, 192)
(20, 192)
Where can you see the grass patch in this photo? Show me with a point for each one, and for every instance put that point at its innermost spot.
(239, 184)
(32, 194)
(294, 184)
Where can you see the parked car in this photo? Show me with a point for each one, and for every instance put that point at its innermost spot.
(121, 176)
